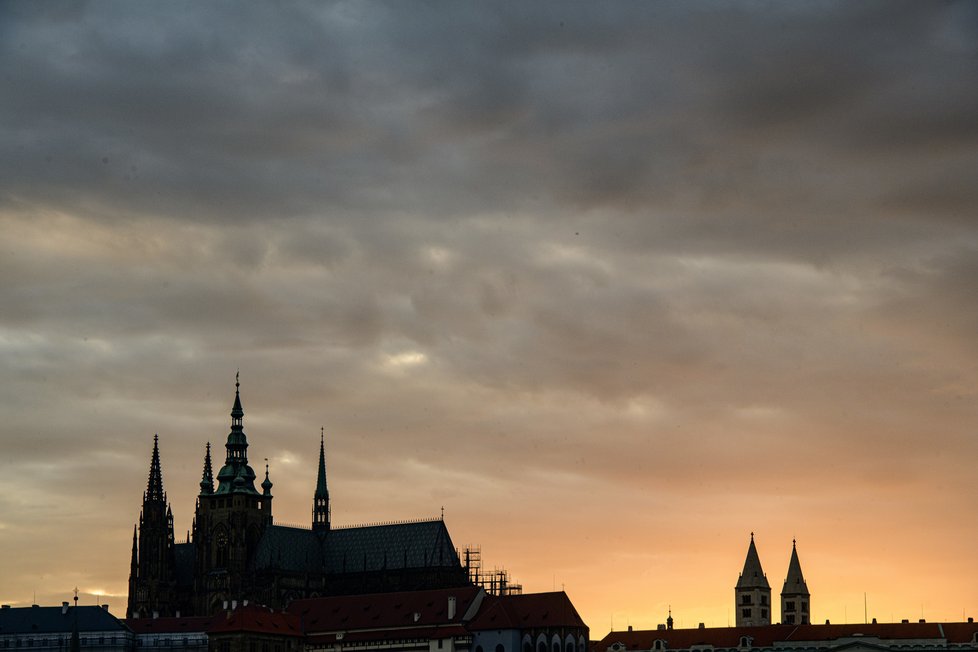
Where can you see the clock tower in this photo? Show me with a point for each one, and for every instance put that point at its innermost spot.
(229, 521)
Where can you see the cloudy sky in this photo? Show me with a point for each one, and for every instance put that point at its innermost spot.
(614, 284)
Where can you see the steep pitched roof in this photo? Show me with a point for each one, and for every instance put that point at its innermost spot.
(255, 619)
(290, 549)
(526, 611)
(387, 611)
(752, 577)
(52, 620)
(418, 544)
(794, 583)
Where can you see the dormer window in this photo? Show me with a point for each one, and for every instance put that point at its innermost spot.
(746, 641)
(659, 645)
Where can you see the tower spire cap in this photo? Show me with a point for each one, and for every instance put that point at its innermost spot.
(794, 583)
(752, 575)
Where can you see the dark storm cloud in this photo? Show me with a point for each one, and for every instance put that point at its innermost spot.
(566, 248)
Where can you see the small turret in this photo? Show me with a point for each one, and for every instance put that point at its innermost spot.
(266, 486)
(207, 477)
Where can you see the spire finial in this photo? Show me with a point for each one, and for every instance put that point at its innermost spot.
(322, 435)
(237, 379)
(751, 536)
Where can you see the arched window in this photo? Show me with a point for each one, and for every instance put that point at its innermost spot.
(541, 646)
(527, 646)
(556, 646)
(500, 648)
(478, 648)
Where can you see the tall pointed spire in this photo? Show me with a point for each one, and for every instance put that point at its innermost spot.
(236, 476)
(795, 598)
(752, 593)
(154, 487)
(320, 501)
(207, 477)
(795, 581)
(753, 575)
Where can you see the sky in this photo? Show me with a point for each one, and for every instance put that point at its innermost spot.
(615, 285)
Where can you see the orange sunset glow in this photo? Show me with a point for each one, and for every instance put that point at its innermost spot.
(614, 286)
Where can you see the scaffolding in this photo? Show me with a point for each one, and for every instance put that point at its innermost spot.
(495, 582)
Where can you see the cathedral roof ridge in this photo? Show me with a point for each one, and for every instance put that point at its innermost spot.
(387, 523)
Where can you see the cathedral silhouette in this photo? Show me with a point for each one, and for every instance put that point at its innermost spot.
(236, 552)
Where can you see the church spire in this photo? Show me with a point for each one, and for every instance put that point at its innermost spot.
(795, 598)
(154, 487)
(753, 575)
(795, 581)
(207, 477)
(752, 593)
(236, 476)
(320, 501)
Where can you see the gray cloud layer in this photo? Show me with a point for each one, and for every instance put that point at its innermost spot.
(500, 250)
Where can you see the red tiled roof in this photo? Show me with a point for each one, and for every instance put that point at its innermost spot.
(960, 632)
(261, 620)
(383, 610)
(403, 634)
(677, 639)
(526, 611)
(766, 636)
(167, 625)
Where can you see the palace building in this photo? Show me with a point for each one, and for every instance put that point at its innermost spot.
(236, 552)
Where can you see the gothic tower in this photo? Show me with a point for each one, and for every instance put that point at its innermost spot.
(229, 521)
(320, 500)
(152, 569)
(795, 599)
(753, 593)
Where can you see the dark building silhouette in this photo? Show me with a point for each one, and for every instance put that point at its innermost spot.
(237, 553)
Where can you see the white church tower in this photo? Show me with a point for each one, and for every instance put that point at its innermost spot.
(795, 599)
(753, 593)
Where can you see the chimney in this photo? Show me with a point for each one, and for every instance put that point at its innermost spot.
(827, 622)
(105, 607)
(451, 607)
(905, 621)
(5, 606)
(64, 607)
(971, 619)
(921, 621)
(874, 621)
(629, 628)
(702, 625)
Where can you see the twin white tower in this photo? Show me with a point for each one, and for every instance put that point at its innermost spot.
(753, 593)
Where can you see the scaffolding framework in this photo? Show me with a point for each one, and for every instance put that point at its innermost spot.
(495, 582)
